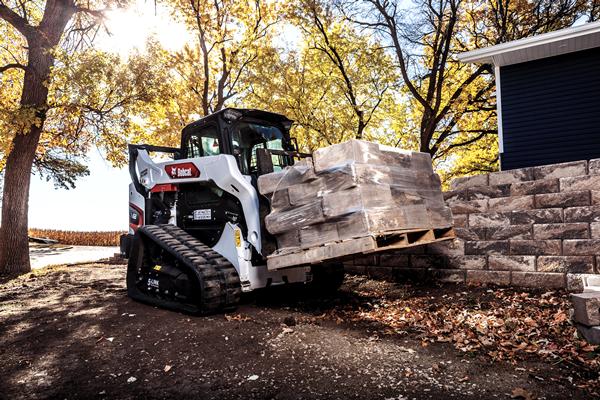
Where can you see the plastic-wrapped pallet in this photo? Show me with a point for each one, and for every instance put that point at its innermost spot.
(351, 190)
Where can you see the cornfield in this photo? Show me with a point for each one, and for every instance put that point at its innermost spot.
(79, 238)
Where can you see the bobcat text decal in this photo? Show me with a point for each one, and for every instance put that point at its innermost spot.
(183, 170)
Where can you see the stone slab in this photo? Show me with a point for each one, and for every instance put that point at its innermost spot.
(511, 263)
(485, 220)
(467, 262)
(534, 187)
(590, 333)
(587, 182)
(571, 264)
(511, 176)
(545, 216)
(535, 247)
(493, 277)
(563, 200)
(469, 181)
(562, 170)
(581, 247)
(578, 230)
(511, 203)
(509, 232)
(547, 280)
(582, 214)
(486, 247)
(586, 307)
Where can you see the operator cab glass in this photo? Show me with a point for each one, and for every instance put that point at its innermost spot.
(204, 143)
(248, 136)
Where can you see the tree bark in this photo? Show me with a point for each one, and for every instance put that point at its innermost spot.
(14, 242)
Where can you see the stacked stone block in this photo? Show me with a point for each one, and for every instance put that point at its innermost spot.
(536, 227)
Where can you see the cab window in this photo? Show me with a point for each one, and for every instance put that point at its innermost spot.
(204, 143)
(250, 136)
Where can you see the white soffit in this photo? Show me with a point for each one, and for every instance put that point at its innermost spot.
(549, 44)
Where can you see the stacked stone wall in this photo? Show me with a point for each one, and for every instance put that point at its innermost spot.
(536, 227)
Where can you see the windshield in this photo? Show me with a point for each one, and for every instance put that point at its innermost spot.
(248, 136)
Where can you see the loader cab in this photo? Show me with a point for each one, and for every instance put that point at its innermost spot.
(259, 140)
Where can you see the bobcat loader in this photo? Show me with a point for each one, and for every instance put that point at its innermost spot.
(196, 236)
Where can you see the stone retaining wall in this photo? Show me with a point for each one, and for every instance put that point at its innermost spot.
(536, 227)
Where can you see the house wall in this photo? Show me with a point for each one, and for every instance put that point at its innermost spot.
(536, 227)
(551, 110)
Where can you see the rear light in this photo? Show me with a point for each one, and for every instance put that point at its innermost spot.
(136, 217)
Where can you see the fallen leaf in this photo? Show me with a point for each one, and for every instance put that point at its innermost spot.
(521, 393)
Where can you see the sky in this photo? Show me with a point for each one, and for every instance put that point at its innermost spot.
(100, 201)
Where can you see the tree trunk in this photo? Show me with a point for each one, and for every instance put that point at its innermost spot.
(14, 242)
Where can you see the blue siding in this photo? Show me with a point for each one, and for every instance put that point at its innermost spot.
(551, 110)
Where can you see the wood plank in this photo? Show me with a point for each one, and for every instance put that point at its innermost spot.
(363, 245)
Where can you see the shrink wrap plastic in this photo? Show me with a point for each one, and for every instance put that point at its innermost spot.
(351, 190)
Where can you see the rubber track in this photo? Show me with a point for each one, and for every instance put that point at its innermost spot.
(218, 279)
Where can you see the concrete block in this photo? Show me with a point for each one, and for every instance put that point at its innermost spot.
(574, 230)
(380, 273)
(575, 283)
(581, 247)
(545, 216)
(488, 192)
(427, 261)
(394, 260)
(315, 235)
(509, 232)
(595, 230)
(511, 176)
(461, 194)
(487, 220)
(590, 333)
(309, 214)
(411, 274)
(467, 206)
(511, 263)
(593, 279)
(449, 275)
(467, 262)
(511, 203)
(586, 307)
(490, 277)
(586, 182)
(573, 168)
(358, 198)
(469, 181)
(563, 200)
(486, 247)
(595, 197)
(534, 187)
(582, 214)
(573, 264)
(288, 239)
(547, 280)
(535, 247)
(454, 247)
(460, 220)
(594, 166)
(365, 259)
(470, 233)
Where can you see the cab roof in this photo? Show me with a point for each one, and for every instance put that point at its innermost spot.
(245, 113)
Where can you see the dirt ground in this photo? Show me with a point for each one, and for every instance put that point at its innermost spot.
(71, 332)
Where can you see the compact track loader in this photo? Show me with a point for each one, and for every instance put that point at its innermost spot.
(196, 221)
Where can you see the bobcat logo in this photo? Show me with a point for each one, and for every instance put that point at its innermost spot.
(184, 170)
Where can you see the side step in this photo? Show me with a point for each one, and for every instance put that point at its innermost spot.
(171, 269)
(363, 245)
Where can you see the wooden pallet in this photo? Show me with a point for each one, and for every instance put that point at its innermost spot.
(364, 245)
